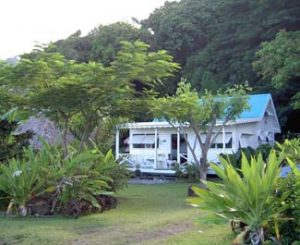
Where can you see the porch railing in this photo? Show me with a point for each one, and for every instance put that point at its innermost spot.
(145, 162)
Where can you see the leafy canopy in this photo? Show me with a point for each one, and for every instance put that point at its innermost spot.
(200, 110)
(204, 113)
(278, 61)
(66, 90)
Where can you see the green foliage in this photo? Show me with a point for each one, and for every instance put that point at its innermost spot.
(278, 61)
(187, 171)
(79, 178)
(106, 41)
(74, 47)
(215, 43)
(11, 145)
(202, 113)
(290, 228)
(289, 224)
(290, 149)
(21, 180)
(200, 109)
(236, 158)
(86, 92)
(216, 46)
(101, 44)
(248, 198)
(118, 173)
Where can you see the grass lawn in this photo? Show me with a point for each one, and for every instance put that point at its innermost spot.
(146, 214)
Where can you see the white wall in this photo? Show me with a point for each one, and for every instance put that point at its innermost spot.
(251, 130)
(212, 153)
(164, 136)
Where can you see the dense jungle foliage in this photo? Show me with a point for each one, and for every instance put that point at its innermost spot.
(215, 42)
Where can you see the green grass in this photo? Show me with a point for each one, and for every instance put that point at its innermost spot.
(146, 214)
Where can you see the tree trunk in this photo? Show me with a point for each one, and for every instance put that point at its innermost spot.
(203, 165)
(84, 137)
(65, 137)
(203, 174)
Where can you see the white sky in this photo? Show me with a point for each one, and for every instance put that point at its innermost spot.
(24, 23)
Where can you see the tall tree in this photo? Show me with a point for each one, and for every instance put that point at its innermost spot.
(75, 47)
(66, 90)
(107, 40)
(101, 44)
(205, 114)
(278, 64)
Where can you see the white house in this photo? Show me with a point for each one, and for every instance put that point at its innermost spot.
(155, 146)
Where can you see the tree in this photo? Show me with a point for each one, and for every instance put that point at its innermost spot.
(101, 44)
(219, 38)
(106, 40)
(206, 114)
(278, 61)
(68, 91)
(74, 47)
(9, 99)
(215, 43)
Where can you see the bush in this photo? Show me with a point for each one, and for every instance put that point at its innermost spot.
(235, 159)
(11, 145)
(72, 183)
(248, 198)
(187, 171)
(20, 180)
(289, 221)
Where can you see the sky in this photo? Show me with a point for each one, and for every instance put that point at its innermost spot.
(24, 23)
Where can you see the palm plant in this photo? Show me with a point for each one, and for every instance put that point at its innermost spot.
(247, 197)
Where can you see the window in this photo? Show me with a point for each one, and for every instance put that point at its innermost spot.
(218, 144)
(141, 141)
(247, 140)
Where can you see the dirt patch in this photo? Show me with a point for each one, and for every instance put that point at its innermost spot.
(163, 232)
(97, 236)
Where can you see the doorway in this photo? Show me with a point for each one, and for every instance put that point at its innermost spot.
(182, 148)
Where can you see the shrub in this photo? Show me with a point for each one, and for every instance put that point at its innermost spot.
(290, 226)
(65, 184)
(187, 171)
(20, 180)
(248, 198)
(290, 149)
(235, 159)
(11, 145)
(289, 222)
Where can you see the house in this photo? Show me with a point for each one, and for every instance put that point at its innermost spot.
(154, 147)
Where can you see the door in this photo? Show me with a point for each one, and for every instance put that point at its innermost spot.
(182, 148)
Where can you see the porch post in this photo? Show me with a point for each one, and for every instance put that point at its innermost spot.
(155, 147)
(117, 143)
(224, 143)
(178, 146)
